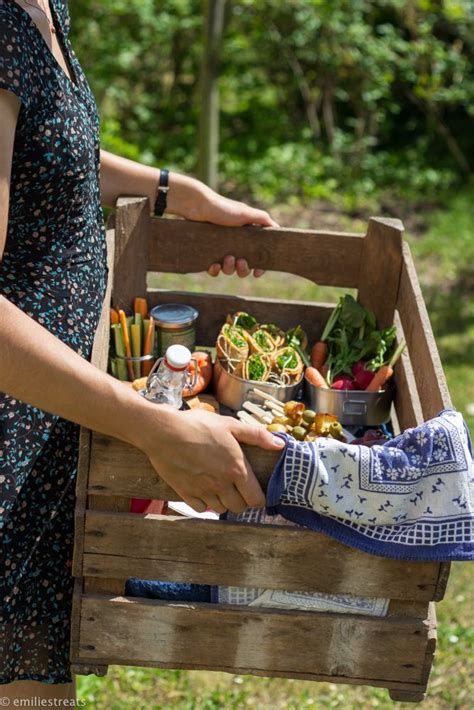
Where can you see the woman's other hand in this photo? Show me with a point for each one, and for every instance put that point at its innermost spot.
(231, 213)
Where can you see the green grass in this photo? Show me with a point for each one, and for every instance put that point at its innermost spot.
(444, 255)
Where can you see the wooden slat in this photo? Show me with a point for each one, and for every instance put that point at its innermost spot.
(296, 644)
(380, 268)
(184, 247)
(131, 250)
(407, 400)
(213, 310)
(274, 557)
(425, 359)
(117, 468)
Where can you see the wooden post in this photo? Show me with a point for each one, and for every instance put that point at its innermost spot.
(380, 268)
(209, 114)
(131, 250)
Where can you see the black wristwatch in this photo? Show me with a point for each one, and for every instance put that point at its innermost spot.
(162, 193)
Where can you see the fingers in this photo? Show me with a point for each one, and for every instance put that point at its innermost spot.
(256, 436)
(214, 270)
(232, 265)
(228, 266)
(196, 503)
(249, 488)
(215, 503)
(232, 500)
(242, 268)
(254, 216)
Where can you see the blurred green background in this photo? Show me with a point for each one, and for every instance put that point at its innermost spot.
(330, 111)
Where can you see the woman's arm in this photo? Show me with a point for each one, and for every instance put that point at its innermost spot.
(187, 198)
(196, 453)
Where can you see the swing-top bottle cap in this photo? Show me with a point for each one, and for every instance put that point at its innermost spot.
(178, 357)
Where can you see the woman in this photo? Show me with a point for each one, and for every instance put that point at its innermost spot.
(52, 282)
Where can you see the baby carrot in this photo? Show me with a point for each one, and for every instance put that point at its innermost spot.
(380, 378)
(126, 342)
(315, 378)
(319, 353)
(114, 319)
(148, 349)
(140, 306)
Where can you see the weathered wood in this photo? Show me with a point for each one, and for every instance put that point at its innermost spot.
(407, 401)
(131, 250)
(444, 570)
(184, 247)
(140, 631)
(86, 669)
(408, 607)
(213, 310)
(406, 696)
(426, 362)
(269, 556)
(117, 468)
(380, 268)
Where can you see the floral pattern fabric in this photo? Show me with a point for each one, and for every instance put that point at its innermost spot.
(411, 498)
(53, 269)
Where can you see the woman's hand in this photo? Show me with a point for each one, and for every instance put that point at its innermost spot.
(187, 197)
(197, 453)
(230, 213)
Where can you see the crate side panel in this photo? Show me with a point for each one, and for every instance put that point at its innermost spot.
(131, 632)
(220, 552)
(120, 469)
(425, 359)
(213, 310)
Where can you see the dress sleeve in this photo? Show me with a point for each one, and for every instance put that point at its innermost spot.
(15, 73)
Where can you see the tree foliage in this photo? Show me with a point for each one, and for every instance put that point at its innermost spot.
(317, 96)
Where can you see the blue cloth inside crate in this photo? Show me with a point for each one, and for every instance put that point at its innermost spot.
(410, 498)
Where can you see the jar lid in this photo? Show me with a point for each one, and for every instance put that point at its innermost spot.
(178, 357)
(174, 315)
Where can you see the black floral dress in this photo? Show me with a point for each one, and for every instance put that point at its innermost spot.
(53, 269)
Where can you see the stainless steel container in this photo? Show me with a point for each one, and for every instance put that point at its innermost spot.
(352, 407)
(233, 391)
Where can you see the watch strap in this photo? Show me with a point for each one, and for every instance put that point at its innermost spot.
(162, 192)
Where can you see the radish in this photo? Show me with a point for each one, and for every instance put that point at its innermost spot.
(362, 377)
(342, 383)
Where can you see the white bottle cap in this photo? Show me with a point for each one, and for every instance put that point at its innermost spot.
(178, 357)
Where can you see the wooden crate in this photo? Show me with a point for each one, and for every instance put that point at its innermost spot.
(112, 545)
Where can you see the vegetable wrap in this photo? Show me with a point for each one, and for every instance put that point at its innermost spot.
(261, 342)
(257, 368)
(232, 347)
(277, 334)
(244, 320)
(288, 365)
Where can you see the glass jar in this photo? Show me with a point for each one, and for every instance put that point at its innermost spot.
(175, 325)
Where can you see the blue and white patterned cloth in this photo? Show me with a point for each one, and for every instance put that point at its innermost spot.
(411, 498)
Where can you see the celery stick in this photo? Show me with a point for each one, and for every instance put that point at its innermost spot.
(113, 367)
(136, 346)
(120, 350)
(145, 324)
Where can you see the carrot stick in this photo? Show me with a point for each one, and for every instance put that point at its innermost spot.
(114, 319)
(315, 378)
(148, 349)
(319, 353)
(380, 378)
(136, 332)
(126, 342)
(140, 306)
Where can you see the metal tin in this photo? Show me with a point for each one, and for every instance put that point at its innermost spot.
(233, 391)
(352, 407)
(175, 325)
